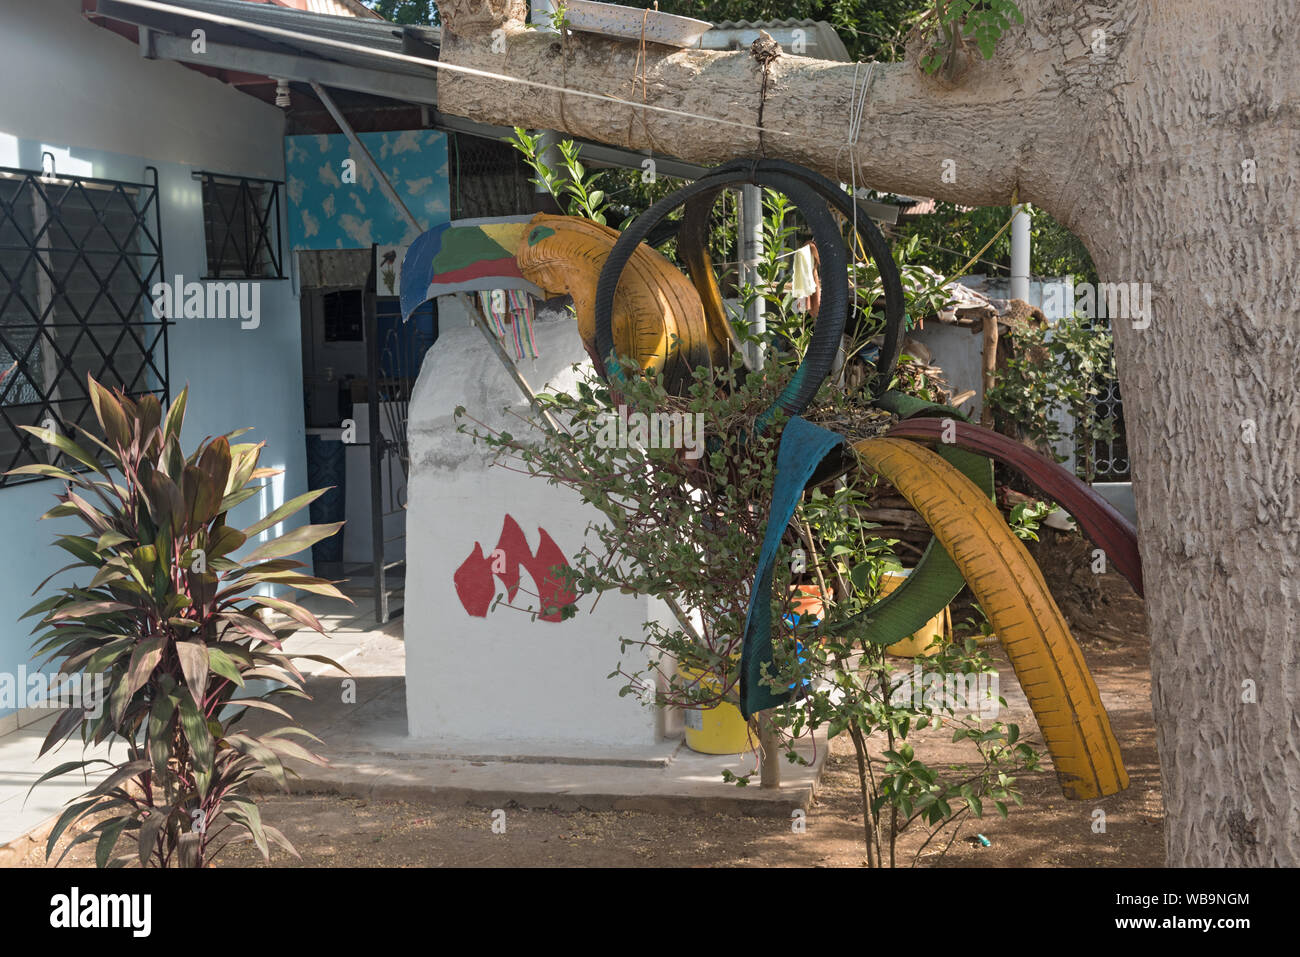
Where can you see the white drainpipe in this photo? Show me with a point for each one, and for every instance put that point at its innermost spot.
(1020, 248)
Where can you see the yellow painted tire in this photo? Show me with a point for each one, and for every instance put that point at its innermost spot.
(1010, 588)
(658, 317)
(693, 248)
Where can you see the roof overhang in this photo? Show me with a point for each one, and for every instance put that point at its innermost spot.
(256, 47)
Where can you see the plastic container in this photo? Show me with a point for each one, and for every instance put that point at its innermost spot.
(922, 642)
(716, 730)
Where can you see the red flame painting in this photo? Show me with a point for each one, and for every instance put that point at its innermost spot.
(474, 578)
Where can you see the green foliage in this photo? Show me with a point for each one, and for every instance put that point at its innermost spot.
(559, 18)
(1026, 517)
(570, 184)
(952, 235)
(1064, 367)
(881, 705)
(870, 29)
(856, 689)
(166, 622)
(954, 22)
(413, 12)
(676, 527)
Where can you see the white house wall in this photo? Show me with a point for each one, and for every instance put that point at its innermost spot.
(86, 95)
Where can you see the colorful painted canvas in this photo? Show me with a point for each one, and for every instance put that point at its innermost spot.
(467, 255)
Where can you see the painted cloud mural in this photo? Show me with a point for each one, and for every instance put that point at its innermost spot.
(414, 161)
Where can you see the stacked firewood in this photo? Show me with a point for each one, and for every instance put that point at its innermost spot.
(898, 520)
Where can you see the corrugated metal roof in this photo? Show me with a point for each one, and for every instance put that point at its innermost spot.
(336, 8)
(820, 39)
(377, 34)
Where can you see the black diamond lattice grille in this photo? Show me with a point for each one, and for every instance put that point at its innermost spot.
(78, 257)
(241, 224)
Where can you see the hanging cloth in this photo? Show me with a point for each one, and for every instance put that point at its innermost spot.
(803, 285)
(510, 314)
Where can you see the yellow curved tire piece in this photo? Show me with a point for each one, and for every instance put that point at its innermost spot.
(693, 248)
(658, 318)
(1010, 588)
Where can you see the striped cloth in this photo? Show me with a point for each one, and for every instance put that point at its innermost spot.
(510, 314)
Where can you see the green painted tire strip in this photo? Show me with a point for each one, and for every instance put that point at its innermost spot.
(935, 581)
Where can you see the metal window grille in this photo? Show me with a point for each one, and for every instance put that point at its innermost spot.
(241, 226)
(488, 178)
(1112, 458)
(78, 257)
(1111, 461)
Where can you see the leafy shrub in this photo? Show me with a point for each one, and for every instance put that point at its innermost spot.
(168, 622)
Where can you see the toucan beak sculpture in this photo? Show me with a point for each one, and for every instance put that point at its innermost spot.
(658, 317)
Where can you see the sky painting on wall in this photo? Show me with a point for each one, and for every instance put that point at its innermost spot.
(327, 211)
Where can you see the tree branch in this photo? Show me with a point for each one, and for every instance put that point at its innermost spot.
(1000, 128)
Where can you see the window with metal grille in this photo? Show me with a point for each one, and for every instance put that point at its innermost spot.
(241, 225)
(488, 178)
(78, 257)
(1110, 459)
(343, 315)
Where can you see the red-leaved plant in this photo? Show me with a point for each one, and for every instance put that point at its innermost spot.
(166, 626)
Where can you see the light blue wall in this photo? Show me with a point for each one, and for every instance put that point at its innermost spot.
(107, 113)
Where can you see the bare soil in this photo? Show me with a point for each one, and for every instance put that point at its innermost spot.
(1047, 831)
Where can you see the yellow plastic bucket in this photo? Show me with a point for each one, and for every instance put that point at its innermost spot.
(716, 730)
(922, 642)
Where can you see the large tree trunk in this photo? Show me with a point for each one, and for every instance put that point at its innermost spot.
(1137, 138)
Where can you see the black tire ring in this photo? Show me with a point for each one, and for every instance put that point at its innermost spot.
(877, 247)
(820, 357)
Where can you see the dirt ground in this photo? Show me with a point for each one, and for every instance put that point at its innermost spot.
(1109, 622)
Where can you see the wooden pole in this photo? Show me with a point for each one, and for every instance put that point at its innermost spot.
(769, 775)
(990, 369)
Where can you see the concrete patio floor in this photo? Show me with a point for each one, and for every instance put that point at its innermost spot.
(370, 755)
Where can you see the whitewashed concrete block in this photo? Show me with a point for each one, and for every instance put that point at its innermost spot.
(500, 682)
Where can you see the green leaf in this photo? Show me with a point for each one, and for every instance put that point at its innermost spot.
(262, 754)
(291, 543)
(176, 416)
(110, 414)
(46, 471)
(149, 829)
(124, 772)
(246, 812)
(194, 665)
(88, 609)
(110, 539)
(66, 446)
(64, 768)
(195, 726)
(284, 511)
(224, 665)
(144, 660)
(294, 611)
(160, 730)
(70, 814)
(224, 541)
